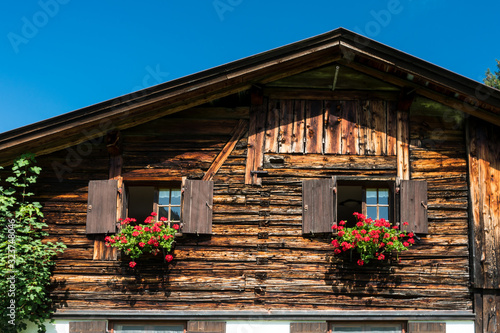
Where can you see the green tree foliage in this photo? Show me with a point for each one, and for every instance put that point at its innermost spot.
(25, 259)
(493, 79)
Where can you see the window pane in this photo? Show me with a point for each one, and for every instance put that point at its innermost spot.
(148, 329)
(162, 212)
(371, 211)
(175, 197)
(140, 202)
(371, 196)
(164, 197)
(354, 329)
(383, 212)
(175, 214)
(383, 196)
(386, 329)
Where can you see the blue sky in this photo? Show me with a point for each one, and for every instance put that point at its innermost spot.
(57, 56)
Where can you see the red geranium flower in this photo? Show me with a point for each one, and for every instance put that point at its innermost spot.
(169, 258)
(132, 264)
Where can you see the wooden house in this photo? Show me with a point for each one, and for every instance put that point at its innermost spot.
(276, 148)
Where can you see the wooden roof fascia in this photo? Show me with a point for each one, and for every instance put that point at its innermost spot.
(446, 87)
(417, 66)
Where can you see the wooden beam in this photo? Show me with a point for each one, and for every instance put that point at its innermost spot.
(403, 134)
(238, 132)
(319, 94)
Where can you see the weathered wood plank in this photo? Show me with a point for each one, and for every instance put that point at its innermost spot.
(333, 128)
(314, 127)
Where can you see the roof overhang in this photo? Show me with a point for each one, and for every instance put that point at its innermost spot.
(340, 45)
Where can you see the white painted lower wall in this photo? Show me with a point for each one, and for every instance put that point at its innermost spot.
(62, 326)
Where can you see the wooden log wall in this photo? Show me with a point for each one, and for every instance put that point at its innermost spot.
(257, 257)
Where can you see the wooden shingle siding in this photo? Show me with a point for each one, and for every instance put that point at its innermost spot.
(206, 327)
(319, 205)
(413, 206)
(308, 327)
(197, 206)
(101, 208)
(88, 327)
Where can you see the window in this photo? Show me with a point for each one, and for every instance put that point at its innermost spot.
(326, 201)
(164, 201)
(362, 328)
(371, 199)
(141, 328)
(190, 204)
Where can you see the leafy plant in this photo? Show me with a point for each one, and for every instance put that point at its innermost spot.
(371, 239)
(150, 237)
(492, 79)
(25, 259)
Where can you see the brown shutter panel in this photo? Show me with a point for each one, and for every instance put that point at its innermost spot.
(101, 208)
(413, 206)
(308, 327)
(197, 206)
(426, 327)
(88, 327)
(319, 205)
(206, 327)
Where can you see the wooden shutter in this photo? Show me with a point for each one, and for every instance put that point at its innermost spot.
(197, 205)
(319, 205)
(426, 327)
(101, 208)
(413, 205)
(308, 327)
(88, 327)
(206, 327)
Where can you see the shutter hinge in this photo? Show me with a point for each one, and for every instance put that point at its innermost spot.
(424, 205)
(209, 205)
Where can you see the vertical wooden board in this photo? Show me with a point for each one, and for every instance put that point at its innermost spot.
(88, 327)
(380, 126)
(308, 327)
(364, 129)
(299, 127)
(317, 205)
(333, 128)
(206, 327)
(256, 136)
(101, 207)
(476, 203)
(272, 127)
(491, 311)
(403, 139)
(391, 128)
(286, 135)
(197, 206)
(314, 127)
(350, 139)
(478, 310)
(426, 327)
(413, 206)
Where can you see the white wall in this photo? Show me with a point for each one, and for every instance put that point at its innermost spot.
(62, 326)
(258, 327)
(460, 326)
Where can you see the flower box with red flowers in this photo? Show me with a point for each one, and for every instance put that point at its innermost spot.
(151, 237)
(370, 239)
